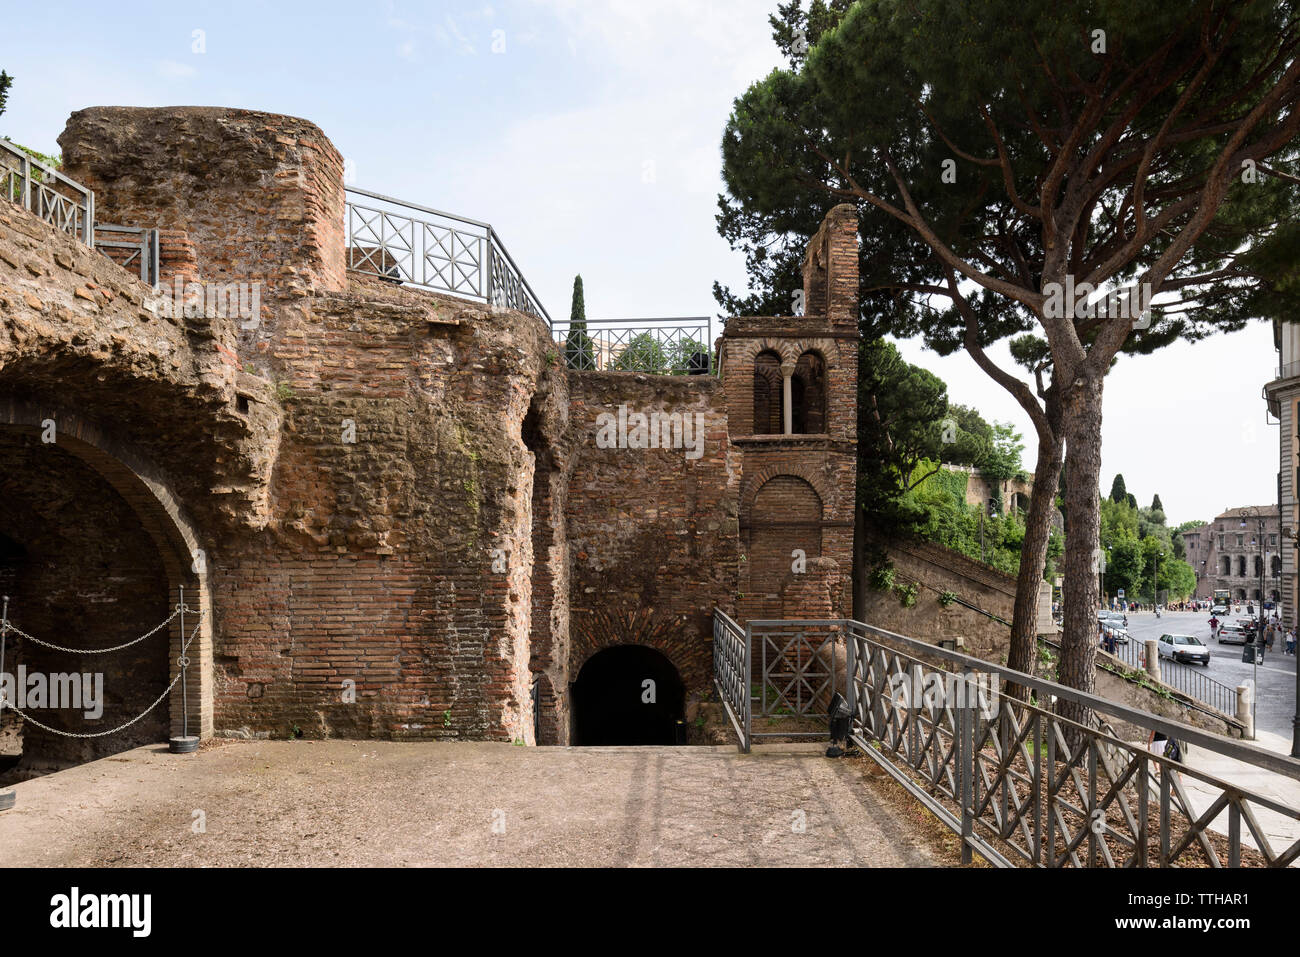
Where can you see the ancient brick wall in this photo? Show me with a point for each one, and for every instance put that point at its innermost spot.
(404, 519)
(651, 531)
(402, 479)
(260, 195)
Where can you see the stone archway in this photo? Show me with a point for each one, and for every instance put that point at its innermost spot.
(627, 695)
(101, 550)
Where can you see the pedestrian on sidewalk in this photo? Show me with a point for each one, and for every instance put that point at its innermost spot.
(1290, 642)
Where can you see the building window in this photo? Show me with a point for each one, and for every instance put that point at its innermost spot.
(769, 395)
(808, 395)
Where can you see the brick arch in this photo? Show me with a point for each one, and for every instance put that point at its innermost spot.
(809, 474)
(789, 350)
(164, 519)
(682, 639)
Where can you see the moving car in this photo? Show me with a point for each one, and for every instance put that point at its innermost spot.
(1185, 648)
(1219, 610)
(1232, 635)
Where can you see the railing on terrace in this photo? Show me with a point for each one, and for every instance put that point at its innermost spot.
(1018, 782)
(44, 191)
(405, 243)
(678, 346)
(131, 247)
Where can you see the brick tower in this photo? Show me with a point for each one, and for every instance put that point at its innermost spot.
(791, 391)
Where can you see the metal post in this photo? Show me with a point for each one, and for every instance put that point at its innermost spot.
(8, 797)
(185, 691)
(749, 683)
(966, 750)
(186, 743)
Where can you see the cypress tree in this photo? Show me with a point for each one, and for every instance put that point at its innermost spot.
(579, 351)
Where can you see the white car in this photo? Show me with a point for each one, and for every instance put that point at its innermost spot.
(1232, 635)
(1218, 610)
(1185, 648)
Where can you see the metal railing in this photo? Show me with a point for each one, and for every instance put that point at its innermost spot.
(1024, 785)
(680, 346)
(1288, 370)
(731, 672)
(435, 250)
(1185, 678)
(131, 245)
(44, 191)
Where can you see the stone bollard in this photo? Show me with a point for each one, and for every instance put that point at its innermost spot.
(1153, 658)
(1245, 696)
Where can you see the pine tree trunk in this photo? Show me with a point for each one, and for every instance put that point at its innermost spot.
(1023, 653)
(1081, 424)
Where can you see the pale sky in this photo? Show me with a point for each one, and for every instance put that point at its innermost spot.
(591, 142)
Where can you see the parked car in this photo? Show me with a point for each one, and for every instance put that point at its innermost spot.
(1232, 635)
(1185, 648)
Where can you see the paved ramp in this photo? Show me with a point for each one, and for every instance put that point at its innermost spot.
(367, 803)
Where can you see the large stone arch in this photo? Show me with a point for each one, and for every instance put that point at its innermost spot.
(161, 514)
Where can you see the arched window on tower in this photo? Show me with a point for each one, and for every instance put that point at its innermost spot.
(769, 395)
(808, 395)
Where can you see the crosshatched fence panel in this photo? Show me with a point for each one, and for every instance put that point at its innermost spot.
(404, 243)
(1024, 785)
(42, 190)
(670, 346)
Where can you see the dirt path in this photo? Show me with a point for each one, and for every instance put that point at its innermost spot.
(365, 803)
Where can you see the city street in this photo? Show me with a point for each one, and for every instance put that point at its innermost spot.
(1276, 702)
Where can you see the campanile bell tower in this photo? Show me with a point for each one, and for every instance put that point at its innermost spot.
(791, 386)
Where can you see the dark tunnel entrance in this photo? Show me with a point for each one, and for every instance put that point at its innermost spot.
(627, 695)
(80, 570)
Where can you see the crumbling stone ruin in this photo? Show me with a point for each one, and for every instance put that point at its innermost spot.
(388, 508)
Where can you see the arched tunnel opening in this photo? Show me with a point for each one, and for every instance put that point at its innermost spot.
(80, 571)
(627, 695)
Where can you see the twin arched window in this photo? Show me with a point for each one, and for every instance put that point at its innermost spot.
(807, 395)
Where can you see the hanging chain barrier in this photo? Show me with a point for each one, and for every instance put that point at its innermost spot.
(182, 661)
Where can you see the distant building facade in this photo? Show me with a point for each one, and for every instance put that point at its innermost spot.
(1283, 398)
(1231, 552)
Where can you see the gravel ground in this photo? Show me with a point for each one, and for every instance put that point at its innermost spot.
(368, 803)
